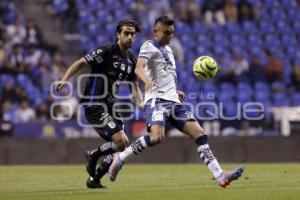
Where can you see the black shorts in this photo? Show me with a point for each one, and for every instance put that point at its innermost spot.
(105, 123)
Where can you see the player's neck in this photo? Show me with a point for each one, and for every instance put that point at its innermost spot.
(124, 50)
(159, 43)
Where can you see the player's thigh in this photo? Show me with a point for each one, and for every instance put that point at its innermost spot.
(193, 129)
(155, 119)
(107, 125)
(157, 130)
(121, 139)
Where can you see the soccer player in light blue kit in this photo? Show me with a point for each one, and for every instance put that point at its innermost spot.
(156, 68)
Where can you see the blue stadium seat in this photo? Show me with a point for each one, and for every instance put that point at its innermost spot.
(244, 87)
(262, 87)
(217, 29)
(230, 109)
(272, 40)
(59, 5)
(35, 94)
(228, 88)
(270, 3)
(293, 14)
(232, 28)
(283, 27)
(94, 5)
(237, 40)
(199, 28)
(288, 40)
(249, 27)
(85, 17)
(80, 4)
(266, 27)
(288, 3)
(243, 97)
(103, 17)
(278, 86)
(280, 99)
(210, 87)
(277, 15)
(22, 80)
(296, 26)
(186, 40)
(93, 29)
(204, 41)
(295, 99)
(112, 5)
(264, 15)
(220, 40)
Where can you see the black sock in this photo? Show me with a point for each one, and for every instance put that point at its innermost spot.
(104, 149)
(103, 168)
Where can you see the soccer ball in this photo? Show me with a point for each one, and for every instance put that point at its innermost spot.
(205, 67)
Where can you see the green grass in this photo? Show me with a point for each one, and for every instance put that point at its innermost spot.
(155, 182)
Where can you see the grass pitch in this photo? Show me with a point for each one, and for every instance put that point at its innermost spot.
(150, 182)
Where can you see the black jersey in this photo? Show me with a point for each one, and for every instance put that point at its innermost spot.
(112, 66)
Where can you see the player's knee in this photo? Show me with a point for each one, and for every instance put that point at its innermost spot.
(157, 138)
(122, 143)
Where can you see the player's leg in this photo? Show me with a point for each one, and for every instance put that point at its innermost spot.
(94, 182)
(193, 129)
(121, 140)
(156, 120)
(117, 142)
(136, 147)
(111, 131)
(140, 144)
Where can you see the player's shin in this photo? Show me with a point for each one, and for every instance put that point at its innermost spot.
(207, 156)
(104, 149)
(103, 168)
(135, 148)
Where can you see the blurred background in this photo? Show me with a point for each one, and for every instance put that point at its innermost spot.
(255, 42)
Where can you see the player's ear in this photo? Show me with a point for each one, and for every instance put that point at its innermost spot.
(118, 35)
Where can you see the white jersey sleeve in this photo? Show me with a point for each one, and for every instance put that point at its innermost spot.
(161, 69)
(147, 50)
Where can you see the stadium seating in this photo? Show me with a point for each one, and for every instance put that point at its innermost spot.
(277, 31)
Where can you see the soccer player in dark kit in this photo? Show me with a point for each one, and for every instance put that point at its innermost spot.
(109, 65)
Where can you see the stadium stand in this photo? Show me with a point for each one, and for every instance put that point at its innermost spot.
(265, 34)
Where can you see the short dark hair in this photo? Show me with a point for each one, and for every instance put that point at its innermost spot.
(165, 20)
(128, 22)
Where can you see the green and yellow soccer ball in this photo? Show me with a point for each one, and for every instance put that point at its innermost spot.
(205, 67)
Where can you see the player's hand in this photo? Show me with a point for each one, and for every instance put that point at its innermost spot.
(149, 86)
(141, 105)
(59, 85)
(181, 96)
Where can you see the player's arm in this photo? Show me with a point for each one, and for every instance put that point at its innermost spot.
(73, 69)
(181, 95)
(137, 95)
(140, 72)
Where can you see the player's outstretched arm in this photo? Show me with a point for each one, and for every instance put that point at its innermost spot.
(73, 69)
(181, 95)
(137, 95)
(140, 72)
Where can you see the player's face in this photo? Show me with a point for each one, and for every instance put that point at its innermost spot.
(163, 33)
(126, 37)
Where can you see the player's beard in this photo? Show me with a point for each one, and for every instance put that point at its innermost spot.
(128, 45)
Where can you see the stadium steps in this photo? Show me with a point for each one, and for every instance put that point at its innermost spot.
(37, 11)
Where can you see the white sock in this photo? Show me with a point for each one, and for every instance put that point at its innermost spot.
(209, 159)
(135, 148)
